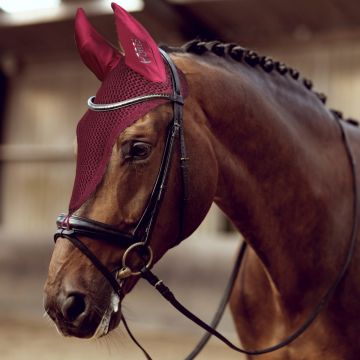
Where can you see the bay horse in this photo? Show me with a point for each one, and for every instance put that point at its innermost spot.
(262, 146)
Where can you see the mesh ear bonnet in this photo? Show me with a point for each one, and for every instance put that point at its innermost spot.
(141, 71)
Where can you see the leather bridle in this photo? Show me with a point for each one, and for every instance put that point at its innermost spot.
(70, 227)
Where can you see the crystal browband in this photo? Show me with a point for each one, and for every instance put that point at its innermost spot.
(132, 101)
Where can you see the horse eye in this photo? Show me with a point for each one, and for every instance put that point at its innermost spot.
(138, 150)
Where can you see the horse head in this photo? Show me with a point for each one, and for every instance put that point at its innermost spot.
(123, 152)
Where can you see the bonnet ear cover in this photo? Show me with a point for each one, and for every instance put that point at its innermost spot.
(141, 52)
(142, 71)
(97, 54)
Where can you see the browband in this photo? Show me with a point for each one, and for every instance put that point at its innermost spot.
(128, 102)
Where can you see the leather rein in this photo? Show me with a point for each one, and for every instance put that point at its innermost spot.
(70, 227)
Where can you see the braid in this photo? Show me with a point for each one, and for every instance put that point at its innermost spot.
(239, 54)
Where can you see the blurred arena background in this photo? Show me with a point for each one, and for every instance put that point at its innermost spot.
(43, 91)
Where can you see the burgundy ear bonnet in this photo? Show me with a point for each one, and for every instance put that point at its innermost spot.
(140, 71)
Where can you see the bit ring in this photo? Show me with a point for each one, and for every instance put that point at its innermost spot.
(130, 249)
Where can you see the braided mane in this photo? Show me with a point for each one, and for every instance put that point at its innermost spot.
(251, 58)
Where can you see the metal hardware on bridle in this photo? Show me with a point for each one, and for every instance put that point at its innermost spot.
(126, 270)
(139, 240)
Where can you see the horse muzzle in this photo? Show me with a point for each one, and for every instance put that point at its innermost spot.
(78, 314)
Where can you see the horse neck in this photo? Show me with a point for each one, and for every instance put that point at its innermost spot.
(276, 147)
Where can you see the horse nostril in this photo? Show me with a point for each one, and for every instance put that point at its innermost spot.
(73, 306)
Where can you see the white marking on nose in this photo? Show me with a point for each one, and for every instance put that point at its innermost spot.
(115, 302)
(103, 326)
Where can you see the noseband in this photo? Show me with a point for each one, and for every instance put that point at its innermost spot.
(70, 227)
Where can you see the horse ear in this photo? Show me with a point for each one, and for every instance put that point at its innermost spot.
(97, 54)
(141, 52)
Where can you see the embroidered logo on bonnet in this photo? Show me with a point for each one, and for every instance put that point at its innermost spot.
(137, 72)
(140, 51)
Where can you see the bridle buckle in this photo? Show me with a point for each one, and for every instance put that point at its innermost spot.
(123, 273)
